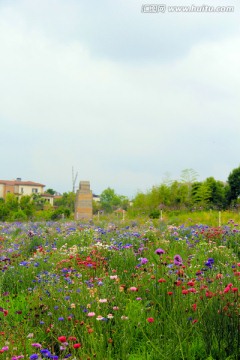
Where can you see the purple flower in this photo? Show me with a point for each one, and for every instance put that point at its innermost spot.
(211, 260)
(45, 353)
(209, 263)
(34, 357)
(143, 261)
(159, 251)
(177, 260)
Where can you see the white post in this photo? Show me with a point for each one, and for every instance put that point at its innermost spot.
(161, 216)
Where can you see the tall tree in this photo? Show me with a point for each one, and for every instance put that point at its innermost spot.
(109, 200)
(67, 200)
(234, 184)
(189, 176)
(217, 193)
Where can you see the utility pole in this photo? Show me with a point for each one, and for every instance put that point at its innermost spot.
(74, 179)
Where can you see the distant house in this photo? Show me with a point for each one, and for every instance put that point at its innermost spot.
(96, 198)
(19, 188)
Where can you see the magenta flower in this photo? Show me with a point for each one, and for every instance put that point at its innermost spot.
(143, 261)
(178, 260)
(159, 251)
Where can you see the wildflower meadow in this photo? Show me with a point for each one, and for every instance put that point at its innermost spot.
(119, 290)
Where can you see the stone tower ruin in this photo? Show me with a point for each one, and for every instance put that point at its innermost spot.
(83, 204)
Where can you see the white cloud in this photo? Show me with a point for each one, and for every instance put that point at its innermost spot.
(120, 123)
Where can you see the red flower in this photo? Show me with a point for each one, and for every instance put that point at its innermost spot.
(194, 307)
(72, 338)
(161, 280)
(150, 320)
(178, 283)
(77, 346)
(62, 339)
(184, 292)
(209, 294)
(170, 293)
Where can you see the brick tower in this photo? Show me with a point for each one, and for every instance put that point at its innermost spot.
(83, 204)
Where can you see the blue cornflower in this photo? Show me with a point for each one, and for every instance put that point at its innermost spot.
(45, 353)
(33, 357)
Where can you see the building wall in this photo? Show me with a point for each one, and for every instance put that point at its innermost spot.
(8, 189)
(20, 189)
(29, 190)
(1, 190)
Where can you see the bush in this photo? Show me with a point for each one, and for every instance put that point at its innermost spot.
(60, 212)
(19, 215)
(155, 214)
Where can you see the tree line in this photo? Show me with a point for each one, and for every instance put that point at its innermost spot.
(185, 194)
(190, 194)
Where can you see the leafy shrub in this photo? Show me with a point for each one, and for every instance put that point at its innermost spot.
(155, 214)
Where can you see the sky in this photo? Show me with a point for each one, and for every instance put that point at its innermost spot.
(121, 97)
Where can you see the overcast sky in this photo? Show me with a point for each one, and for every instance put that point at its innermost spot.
(125, 97)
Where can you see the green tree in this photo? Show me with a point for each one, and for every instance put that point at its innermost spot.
(4, 211)
(67, 200)
(109, 200)
(179, 195)
(51, 191)
(11, 202)
(189, 176)
(234, 185)
(26, 204)
(202, 194)
(217, 197)
(140, 203)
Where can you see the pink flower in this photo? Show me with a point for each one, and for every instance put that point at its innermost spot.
(133, 288)
(193, 290)
(91, 314)
(227, 289)
(5, 348)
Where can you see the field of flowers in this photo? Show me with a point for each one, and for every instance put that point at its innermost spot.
(125, 291)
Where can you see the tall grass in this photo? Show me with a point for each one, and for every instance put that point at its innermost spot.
(115, 290)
